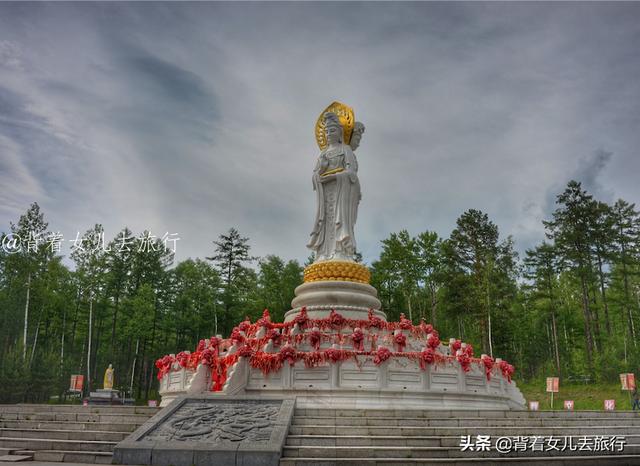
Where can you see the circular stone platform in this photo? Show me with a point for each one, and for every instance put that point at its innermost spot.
(353, 300)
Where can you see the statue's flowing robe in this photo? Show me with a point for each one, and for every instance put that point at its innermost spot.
(342, 244)
(108, 379)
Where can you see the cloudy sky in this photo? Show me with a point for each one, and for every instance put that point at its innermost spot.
(192, 118)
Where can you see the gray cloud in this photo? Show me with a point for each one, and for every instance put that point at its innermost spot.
(589, 172)
(196, 117)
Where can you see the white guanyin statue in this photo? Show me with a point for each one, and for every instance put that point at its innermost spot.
(335, 181)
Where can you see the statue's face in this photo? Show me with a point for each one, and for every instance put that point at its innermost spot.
(333, 134)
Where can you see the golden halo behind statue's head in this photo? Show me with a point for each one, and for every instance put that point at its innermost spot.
(347, 120)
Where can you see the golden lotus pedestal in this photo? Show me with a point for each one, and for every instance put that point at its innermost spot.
(337, 271)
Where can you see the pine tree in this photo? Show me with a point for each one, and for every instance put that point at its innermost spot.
(232, 251)
(571, 230)
(429, 251)
(230, 255)
(602, 234)
(277, 281)
(542, 268)
(485, 267)
(89, 256)
(119, 261)
(626, 240)
(31, 260)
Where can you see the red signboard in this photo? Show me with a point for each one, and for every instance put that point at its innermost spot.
(568, 405)
(609, 405)
(77, 381)
(553, 384)
(628, 381)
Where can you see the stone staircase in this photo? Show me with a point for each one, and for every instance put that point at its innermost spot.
(77, 434)
(353, 437)
(66, 433)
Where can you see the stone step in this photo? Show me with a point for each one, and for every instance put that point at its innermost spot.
(24, 452)
(461, 422)
(447, 413)
(15, 458)
(42, 408)
(395, 440)
(75, 417)
(350, 437)
(45, 463)
(69, 434)
(53, 444)
(595, 460)
(68, 425)
(430, 452)
(373, 440)
(448, 431)
(72, 456)
(64, 434)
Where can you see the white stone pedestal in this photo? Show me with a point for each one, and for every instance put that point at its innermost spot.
(352, 300)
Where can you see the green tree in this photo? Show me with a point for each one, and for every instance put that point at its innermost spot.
(89, 256)
(571, 230)
(119, 262)
(542, 265)
(196, 288)
(408, 273)
(277, 281)
(430, 263)
(602, 235)
(150, 262)
(483, 270)
(31, 260)
(230, 255)
(626, 240)
(398, 270)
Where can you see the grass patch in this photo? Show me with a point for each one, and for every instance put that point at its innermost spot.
(589, 396)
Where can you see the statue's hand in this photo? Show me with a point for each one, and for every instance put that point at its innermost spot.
(346, 173)
(326, 178)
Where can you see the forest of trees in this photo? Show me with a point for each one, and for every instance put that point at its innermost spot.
(569, 307)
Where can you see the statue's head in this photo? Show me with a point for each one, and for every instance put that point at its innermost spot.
(110, 366)
(356, 135)
(332, 128)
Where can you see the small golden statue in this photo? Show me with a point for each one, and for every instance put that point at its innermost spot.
(108, 378)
